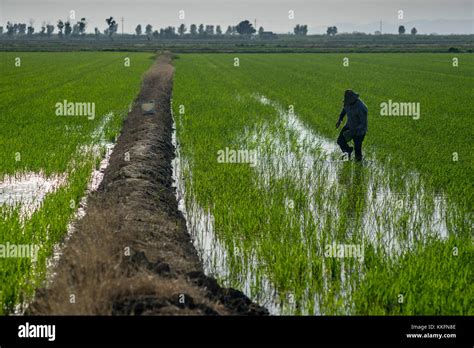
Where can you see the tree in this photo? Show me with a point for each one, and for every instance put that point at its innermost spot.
(11, 29)
(1, 30)
(15, 28)
(228, 31)
(113, 26)
(75, 29)
(201, 29)
(138, 30)
(148, 30)
(82, 26)
(331, 31)
(209, 30)
(182, 29)
(193, 29)
(43, 30)
(414, 31)
(260, 30)
(218, 30)
(401, 30)
(67, 28)
(30, 29)
(49, 29)
(22, 28)
(302, 29)
(245, 28)
(96, 31)
(60, 26)
(168, 31)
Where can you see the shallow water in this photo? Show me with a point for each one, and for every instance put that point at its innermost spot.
(37, 186)
(213, 255)
(391, 219)
(28, 190)
(315, 162)
(95, 148)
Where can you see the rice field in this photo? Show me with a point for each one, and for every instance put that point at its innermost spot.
(48, 150)
(276, 212)
(272, 207)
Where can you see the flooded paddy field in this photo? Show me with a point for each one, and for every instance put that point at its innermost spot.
(236, 192)
(51, 159)
(276, 210)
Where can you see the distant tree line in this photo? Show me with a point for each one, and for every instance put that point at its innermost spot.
(202, 30)
(78, 29)
(402, 30)
(301, 30)
(64, 28)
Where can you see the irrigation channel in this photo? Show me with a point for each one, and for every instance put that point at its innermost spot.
(346, 206)
(130, 254)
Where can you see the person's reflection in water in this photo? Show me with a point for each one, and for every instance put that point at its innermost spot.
(353, 187)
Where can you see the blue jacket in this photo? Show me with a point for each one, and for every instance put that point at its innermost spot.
(356, 117)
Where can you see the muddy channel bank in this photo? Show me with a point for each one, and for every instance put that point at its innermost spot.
(131, 253)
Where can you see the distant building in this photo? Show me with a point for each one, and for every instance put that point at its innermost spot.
(268, 35)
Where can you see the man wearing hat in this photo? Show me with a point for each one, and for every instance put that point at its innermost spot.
(356, 124)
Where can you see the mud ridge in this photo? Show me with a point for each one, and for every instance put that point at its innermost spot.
(131, 253)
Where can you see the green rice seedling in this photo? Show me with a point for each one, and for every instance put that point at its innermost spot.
(38, 144)
(304, 232)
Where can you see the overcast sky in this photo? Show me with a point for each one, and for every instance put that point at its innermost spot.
(442, 16)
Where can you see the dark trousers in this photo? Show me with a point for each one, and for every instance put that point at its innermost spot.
(358, 139)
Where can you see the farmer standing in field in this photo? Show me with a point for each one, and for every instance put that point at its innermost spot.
(356, 125)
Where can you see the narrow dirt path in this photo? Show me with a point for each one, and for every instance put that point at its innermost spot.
(131, 253)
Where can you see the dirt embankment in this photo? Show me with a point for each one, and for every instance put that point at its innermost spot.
(131, 253)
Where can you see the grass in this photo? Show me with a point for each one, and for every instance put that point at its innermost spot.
(50, 144)
(409, 207)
